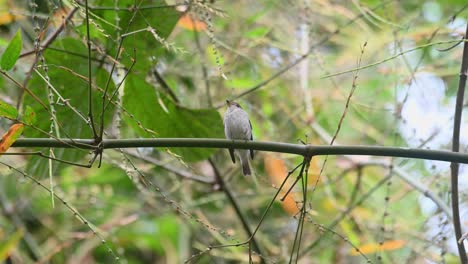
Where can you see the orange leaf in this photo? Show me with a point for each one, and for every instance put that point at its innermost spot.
(277, 171)
(191, 23)
(289, 205)
(374, 247)
(6, 18)
(275, 168)
(10, 12)
(10, 137)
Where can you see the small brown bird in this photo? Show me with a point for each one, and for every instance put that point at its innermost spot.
(237, 126)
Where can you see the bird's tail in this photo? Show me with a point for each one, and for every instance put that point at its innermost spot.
(245, 164)
(246, 169)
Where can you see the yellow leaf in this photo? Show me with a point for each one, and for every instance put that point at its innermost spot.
(374, 247)
(314, 172)
(328, 205)
(10, 137)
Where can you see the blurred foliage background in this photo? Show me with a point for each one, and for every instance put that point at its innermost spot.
(314, 71)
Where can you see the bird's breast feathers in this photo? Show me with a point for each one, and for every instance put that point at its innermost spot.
(236, 125)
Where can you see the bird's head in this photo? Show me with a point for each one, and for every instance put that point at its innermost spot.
(232, 104)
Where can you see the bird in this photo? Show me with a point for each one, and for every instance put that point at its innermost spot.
(237, 126)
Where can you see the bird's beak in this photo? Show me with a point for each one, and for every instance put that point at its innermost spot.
(228, 102)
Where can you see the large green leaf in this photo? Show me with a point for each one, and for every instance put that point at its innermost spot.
(142, 46)
(168, 119)
(12, 52)
(68, 81)
(29, 116)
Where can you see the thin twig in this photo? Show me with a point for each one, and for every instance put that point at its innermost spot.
(24, 88)
(165, 86)
(40, 154)
(179, 172)
(71, 208)
(233, 202)
(456, 147)
(343, 116)
(176, 206)
(90, 80)
(391, 57)
(304, 56)
(65, 101)
(262, 218)
(114, 64)
(45, 44)
(303, 174)
(401, 173)
(348, 210)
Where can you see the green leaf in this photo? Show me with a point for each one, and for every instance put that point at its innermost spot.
(9, 245)
(166, 228)
(104, 175)
(141, 47)
(12, 52)
(8, 111)
(68, 82)
(241, 83)
(168, 119)
(29, 116)
(258, 32)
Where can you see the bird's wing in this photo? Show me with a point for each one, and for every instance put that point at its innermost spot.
(251, 138)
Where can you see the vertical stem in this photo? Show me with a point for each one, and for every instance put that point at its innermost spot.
(456, 147)
(90, 81)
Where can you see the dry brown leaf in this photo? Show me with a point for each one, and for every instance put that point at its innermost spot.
(10, 137)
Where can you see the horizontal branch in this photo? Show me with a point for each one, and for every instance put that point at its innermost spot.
(299, 149)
